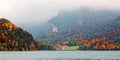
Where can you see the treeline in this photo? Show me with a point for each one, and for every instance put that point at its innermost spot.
(93, 44)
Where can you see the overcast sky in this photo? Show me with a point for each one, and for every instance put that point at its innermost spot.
(38, 11)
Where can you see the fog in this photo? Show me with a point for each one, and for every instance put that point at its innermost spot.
(39, 11)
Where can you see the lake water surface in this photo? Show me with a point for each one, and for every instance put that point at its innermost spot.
(61, 55)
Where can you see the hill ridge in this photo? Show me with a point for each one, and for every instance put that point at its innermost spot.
(13, 38)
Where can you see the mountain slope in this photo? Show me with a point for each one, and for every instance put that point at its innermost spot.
(107, 32)
(86, 32)
(13, 38)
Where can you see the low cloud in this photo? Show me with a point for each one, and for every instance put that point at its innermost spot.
(39, 11)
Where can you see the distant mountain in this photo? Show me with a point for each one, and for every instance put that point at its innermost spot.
(13, 38)
(82, 17)
(95, 35)
(66, 19)
(88, 32)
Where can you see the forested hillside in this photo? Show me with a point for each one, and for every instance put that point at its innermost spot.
(13, 38)
(105, 35)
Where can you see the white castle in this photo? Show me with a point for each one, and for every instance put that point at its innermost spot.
(55, 29)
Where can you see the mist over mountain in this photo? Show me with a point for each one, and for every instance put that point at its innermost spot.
(66, 19)
(83, 16)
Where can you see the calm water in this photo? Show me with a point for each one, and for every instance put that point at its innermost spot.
(61, 55)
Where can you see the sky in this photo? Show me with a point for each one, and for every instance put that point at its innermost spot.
(39, 11)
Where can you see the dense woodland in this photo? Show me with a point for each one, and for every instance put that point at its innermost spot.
(13, 38)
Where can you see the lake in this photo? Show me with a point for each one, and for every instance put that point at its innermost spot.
(61, 55)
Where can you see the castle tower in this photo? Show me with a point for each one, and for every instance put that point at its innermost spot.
(55, 29)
